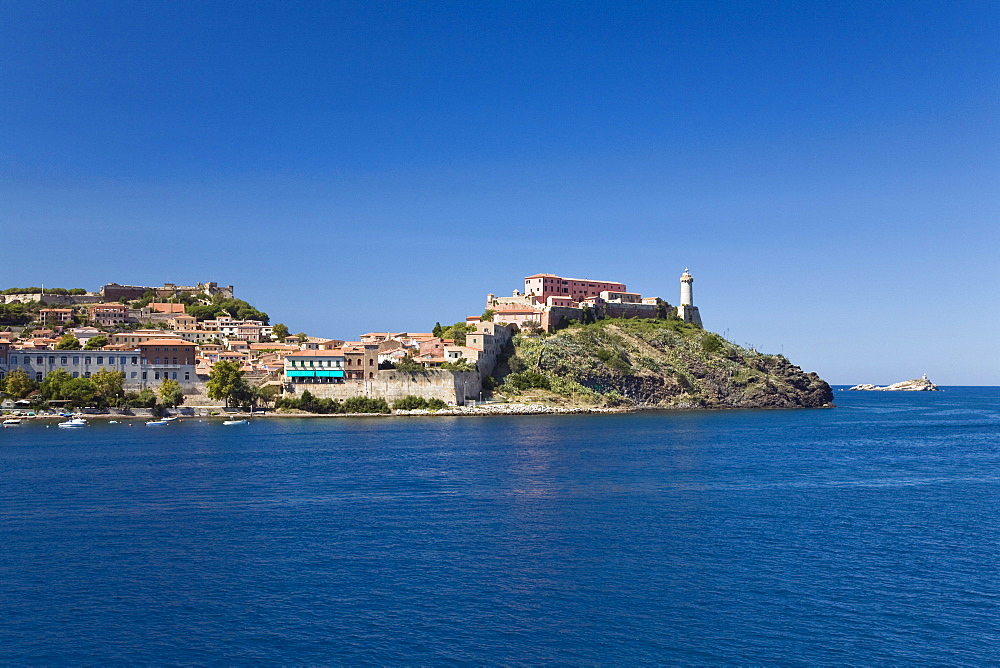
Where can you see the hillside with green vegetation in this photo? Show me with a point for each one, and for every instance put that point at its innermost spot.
(652, 363)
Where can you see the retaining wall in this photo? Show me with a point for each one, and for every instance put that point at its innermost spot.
(449, 386)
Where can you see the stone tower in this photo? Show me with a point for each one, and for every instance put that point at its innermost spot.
(687, 311)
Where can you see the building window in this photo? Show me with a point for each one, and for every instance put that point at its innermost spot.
(144, 375)
(175, 360)
(63, 361)
(133, 374)
(38, 377)
(13, 360)
(86, 374)
(86, 360)
(76, 374)
(135, 360)
(100, 360)
(187, 375)
(52, 359)
(156, 376)
(76, 360)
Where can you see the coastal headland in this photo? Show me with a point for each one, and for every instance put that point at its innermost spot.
(561, 345)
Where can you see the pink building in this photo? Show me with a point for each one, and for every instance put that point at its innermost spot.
(108, 315)
(542, 286)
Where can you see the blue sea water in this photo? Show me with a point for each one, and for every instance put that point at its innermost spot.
(866, 534)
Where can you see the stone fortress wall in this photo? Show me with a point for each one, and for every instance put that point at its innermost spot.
(51, 300)
(452, 387)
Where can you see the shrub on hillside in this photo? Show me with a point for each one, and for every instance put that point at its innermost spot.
(526, 380)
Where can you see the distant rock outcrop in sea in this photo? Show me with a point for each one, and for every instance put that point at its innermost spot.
(915, 385)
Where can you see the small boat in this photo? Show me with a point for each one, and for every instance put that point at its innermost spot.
(169, 419)
(9, 422)
(156, 423)
(113, 422)
(229, 422)
(71, 424)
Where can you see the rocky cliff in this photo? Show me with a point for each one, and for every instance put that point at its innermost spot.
(654, 363)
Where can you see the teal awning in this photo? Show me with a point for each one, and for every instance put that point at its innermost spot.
(318, 373)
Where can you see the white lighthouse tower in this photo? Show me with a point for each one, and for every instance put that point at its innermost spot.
(687, 311)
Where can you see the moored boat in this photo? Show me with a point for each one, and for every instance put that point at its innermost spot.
(156, 423)
(231, 422)
(11, 422)
(74, 423)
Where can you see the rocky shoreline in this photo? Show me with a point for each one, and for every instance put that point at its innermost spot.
(481, 410)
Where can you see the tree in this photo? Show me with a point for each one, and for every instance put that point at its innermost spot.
(13, 314)
(532, 326)
(302, 337)
(264, 395)
(52, 388)
(280, 332)
(487, 315)
(171, 394)
(226, 382)
(109, 385)
(461, 364)
(19, 384)
(95, 342)
(68, 342)
(201, 311)
(438, 329)
(79, 391)
(457, 332)
(144, 399)
(408, 364)
(663, 310)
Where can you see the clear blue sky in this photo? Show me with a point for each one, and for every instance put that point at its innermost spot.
(830, 172)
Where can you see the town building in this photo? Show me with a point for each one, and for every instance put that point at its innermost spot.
(315, 367)
(166, 307)
(361, 360)
(84, 334)
(53, 317)
(135, 337)
(108, 315)
(78, 363)
(171, 358)
(543, 286)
